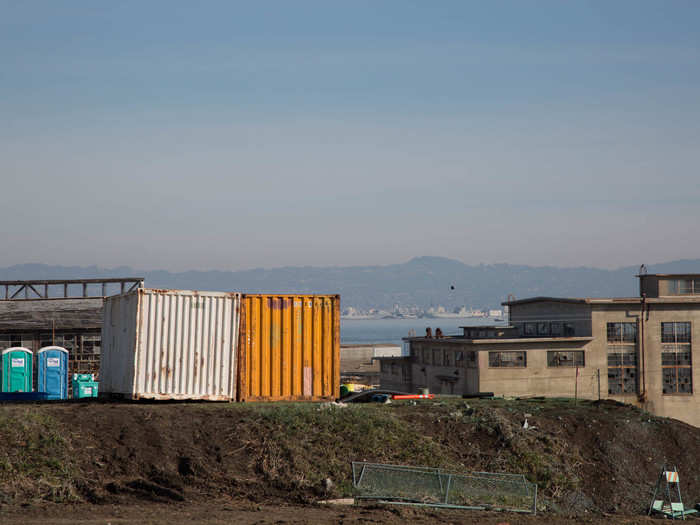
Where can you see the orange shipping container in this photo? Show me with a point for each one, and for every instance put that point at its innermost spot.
(289, 347)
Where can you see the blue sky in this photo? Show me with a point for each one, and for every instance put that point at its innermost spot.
(232, 135)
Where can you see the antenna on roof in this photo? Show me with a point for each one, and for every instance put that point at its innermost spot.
(643, 269)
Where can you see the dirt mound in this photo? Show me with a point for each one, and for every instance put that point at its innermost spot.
(585, 457)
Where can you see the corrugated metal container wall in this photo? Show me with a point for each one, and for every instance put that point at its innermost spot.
(170, 344)
(290, 347)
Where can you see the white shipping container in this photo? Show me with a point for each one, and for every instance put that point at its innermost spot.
(170, 344)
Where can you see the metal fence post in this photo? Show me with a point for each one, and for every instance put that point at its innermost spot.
(362, 473)
(534, 505)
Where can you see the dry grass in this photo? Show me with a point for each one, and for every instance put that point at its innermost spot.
(303, 445)
(35, 459)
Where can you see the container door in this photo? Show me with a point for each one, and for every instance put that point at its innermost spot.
(18, 371)
(53, 373)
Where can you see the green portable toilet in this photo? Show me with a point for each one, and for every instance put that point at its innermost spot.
(17, 370)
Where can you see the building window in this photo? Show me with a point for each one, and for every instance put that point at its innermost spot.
(622, 333)
(12, 340)
(49, 340)
(436, 357)
(565, 358)
(70, 342)
(548, 329)
(676, 364)
(446, 358)
(92, 344)
(459, 358)
(471, 360)
(384, 366)
(622, 358)
(684, 286)
(507, 359)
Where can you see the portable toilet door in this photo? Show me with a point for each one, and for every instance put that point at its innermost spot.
(52, 372)
(17, 370)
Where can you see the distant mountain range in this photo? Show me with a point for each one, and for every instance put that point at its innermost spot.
(422, 281)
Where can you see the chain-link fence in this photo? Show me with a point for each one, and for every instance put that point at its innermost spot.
(436, 487)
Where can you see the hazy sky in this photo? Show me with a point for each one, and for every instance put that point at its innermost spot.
(225, 135)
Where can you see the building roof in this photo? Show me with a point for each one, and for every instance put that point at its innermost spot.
(612, 300)
(695, 275)
(488, 326)
(543, 299)
(668, 299)
(368, 345)
(501, 340)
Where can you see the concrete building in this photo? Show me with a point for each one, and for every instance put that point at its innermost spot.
(66, 313)
(359, 363)
(639, 350)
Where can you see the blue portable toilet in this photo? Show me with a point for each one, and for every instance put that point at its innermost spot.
(52, 372)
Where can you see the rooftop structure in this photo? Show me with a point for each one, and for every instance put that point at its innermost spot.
(67, 288)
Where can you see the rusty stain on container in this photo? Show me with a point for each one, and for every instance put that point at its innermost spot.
(289, 347)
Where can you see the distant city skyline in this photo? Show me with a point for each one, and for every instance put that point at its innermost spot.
(236, 135)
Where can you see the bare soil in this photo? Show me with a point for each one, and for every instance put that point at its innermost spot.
(220, 513)
(97, 462)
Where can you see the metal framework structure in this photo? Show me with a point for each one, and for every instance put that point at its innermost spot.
(40, 289)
